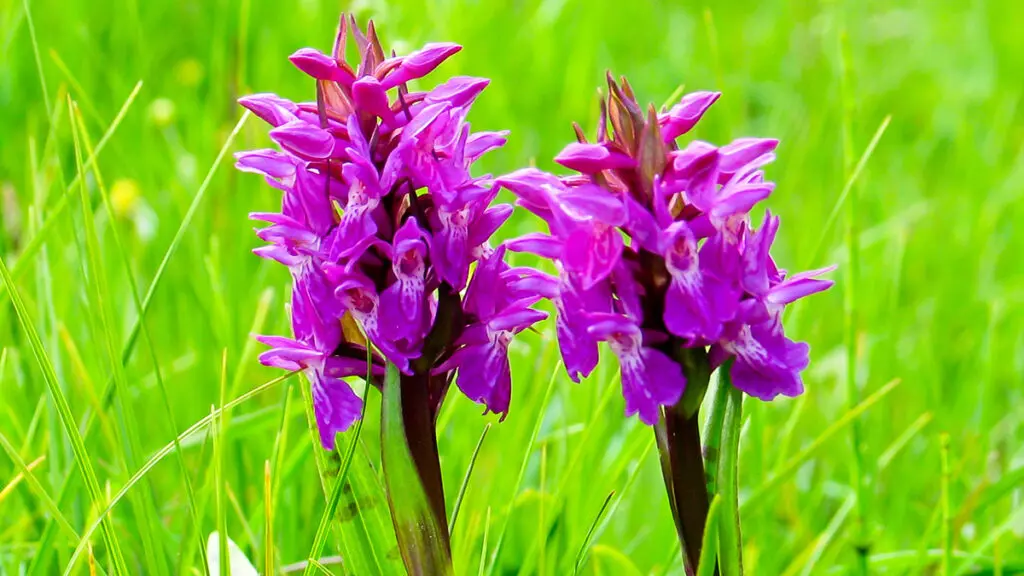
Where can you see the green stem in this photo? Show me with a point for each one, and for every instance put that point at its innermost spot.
(731, 548)
(682, 463)
(412, 474)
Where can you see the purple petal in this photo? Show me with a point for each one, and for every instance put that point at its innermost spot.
(267, 163)
(594, 202)
(486, 293)
(592, 251)
(420, 63)
(290, 358)
(642, 226)
(279, 254)
(685, 115)
(742, 151)
(739, 199)
(593, 158)
(483, 142)
(516, 320)
(304, 139)
(401, 309)
(270, 108)
(321, 66)
(533, 283)
(458, 91)
(484, 373)
(424, 119)
(409, 236)
(343, 366)
(449, 247)
(649, 377)
(799, 286)
(537, 243)
(628, 291)
(698, 165)
(756, 259)
(336, 407)
(608, 326)
(369, 95)
(578, 347)
(767, 363)
(658, 381)
(488, 223)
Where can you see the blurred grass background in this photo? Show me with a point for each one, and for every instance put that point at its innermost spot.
(934, 298)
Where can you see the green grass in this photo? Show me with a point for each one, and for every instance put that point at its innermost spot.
(902, 160)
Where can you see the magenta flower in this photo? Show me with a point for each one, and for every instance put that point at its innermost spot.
(657, 253)
(381, 221)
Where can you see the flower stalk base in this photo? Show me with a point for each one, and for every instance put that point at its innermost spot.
(412, 474)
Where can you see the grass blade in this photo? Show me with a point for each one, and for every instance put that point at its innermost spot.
(483, 543)
(268, 522)
(852, 324)
(712, 435)
(730, 543)
(822, 542)
(219, 437)
(168, 448)
(98, 293)
(81, 455)
(39, 59)
(757, 496)
(157, 371)
(179, 235)
(25, 474)
(709, 548)
(322, 530)
(847, 187)
(33, 246)
(522, 469)
(581, 556)
(947, 519)
(465, 479)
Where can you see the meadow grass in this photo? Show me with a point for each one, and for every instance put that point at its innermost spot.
(135, 420)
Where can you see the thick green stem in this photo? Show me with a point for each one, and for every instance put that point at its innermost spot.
(682, 464)
(412, 474)
(683, 471)
(730, 543)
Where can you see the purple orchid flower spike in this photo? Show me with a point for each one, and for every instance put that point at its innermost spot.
(381, 221)
(380, 224)
(691, 252)
(656, 255)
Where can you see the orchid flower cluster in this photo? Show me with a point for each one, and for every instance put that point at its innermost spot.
(381, 222)
(656, 252)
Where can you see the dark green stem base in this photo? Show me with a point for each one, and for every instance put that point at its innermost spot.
(412, 474)
(682, 462)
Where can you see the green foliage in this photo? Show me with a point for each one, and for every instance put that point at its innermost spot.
(902, 153)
